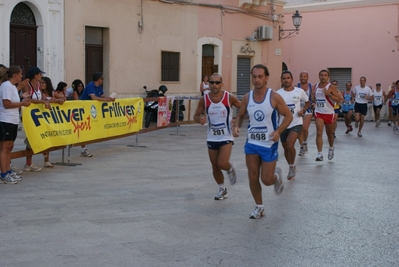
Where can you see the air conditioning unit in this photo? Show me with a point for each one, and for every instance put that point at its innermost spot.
(265, 33)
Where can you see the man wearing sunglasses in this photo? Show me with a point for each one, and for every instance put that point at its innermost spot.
(307, 116)
(217, 105)
(262, 105)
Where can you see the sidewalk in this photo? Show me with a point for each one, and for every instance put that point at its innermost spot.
(153, 206)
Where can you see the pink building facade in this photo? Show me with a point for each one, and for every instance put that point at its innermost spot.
(349, 38)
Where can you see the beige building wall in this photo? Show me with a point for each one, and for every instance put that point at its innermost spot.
(132, 55)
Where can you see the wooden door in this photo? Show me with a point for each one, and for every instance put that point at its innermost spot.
(207, 66)
(94, 61)
(23, 46)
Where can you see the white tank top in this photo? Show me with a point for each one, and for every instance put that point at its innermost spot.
(35, 93)
(219, 119)
(377, 98)
(263, 119)
(324, 104)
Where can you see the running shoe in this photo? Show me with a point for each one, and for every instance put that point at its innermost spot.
(86, 154)
(305, 147)
(379, 123)
(351, 128)
(330, 153)
(359, 134)
(48, 165)
(221, 194)
(16, 176)
(347, 130)
(301, 151)
(32, 168)
(257, 213)
(319, 157)
(389, 123)
(394, 128)
(279, 184)
(15, 169)
(356, 124)
(291, 173)
(8, 179)
(232, 175)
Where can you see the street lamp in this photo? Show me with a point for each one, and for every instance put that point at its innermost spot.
(296, 20)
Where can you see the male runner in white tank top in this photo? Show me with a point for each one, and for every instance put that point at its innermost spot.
(216, 104)
(307, 116)
(261, 149)
(293, 97)
(325, 94)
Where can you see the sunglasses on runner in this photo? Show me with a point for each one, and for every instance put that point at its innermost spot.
(213, 82)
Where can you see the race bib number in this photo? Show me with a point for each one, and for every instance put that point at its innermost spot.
(378, 98)
(362, 96)
(291, 107)
(258, 134)
(320, 103)
(395, 101)
(218, 129)
(347, 103)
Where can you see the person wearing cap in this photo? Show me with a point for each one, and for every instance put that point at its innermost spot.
(378, 101)
(94, 89)
(34, 75)
(9, 119)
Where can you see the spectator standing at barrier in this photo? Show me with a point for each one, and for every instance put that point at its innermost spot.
(378, 101)
(9, 119)
(325, 96)
(78, 87)
(293, 96)
(217, 105)
(394, 96)
(347, 107)
(59, 92)
(20, 85)
(94, 91)
(262, 105)
(307, 116)
(204, 86)
(363, 94)
(33, 88)
(46, 86)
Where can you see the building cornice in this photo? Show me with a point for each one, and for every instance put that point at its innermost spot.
(337, 5)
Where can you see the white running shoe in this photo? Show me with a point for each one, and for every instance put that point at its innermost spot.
(232, 175)
(32, 168)
(257, 213)
(279, 184)
(15, 169)
(330, 153)
(221, 194)
(359, 134)
(319, 157)
(291, 173)
(8, 179)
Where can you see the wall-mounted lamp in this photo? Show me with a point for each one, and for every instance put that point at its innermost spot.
(296, 20)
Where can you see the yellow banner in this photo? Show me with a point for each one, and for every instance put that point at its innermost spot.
(80, 121)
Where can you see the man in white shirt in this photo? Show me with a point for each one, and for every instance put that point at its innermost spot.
(363, 94)
(293, 96)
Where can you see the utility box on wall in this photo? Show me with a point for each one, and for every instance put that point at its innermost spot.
(265, 33)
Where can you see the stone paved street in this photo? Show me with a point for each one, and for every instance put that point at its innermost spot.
(153, 206)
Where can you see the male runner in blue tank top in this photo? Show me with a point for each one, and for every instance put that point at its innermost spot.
(261, 149)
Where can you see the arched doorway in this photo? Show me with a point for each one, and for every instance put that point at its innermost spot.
(23, 37)
(208, 58)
